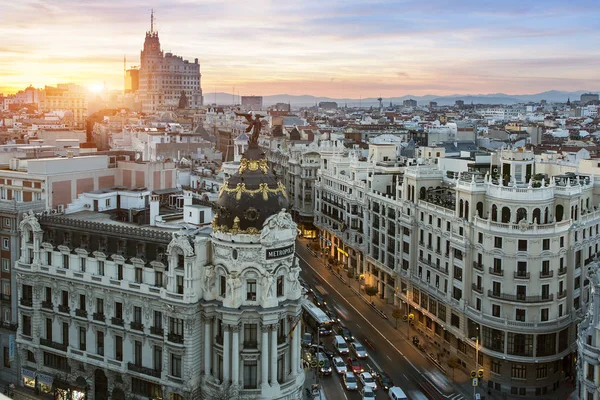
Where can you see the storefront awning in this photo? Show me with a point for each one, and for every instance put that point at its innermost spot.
(27, 373)
(342, 251)
(45, 379)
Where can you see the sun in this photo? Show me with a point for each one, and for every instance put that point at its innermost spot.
(96, 87)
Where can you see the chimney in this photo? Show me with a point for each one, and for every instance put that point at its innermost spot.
(154, 209)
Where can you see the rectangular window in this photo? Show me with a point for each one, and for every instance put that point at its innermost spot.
(222, 286)
(176, 326)
(5, 265)
(137, 353)
(138, 275)
(82, 264)
(5, 244)
(100, 268)
(65, 298)
(544, 314)
(496, 310)
(522, 246)
(158, 319)
(546, 244)
(250, 335)
(179, 281)
(458, 273)
(65, 333)
(158, 278)
(280, 286)
(49, 257)
(118, 310)
(120, 272)
(66, 261)
(497, 242)
(119, 348)
(480, 238)
(520, 314)
(251, 290)
(496, 367)
(6, 357)
(157, 358)
(49, 329)
(250, 374)
(176, 365)
(26, 325)
(518, 371)
(82, 338)
(137, 314)
(100, 306)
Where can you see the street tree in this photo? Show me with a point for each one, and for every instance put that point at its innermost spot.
(371, 291)
(397, 314)
(453, 363)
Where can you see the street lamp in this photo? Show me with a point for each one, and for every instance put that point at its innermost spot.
(476, 339)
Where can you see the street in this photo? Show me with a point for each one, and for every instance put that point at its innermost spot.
(387, 347)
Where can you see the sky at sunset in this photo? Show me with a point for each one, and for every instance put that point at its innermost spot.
(347, 48)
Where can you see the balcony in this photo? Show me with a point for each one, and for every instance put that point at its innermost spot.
(522, 275)
(117, 321)
(175, 338)
(561, 295)
(54, 345)
(521, 298)
(63, 309)
(562, 271)
(546, 274)
(155, 330)
(81, 313)
(137, 326)
(47, 305)
(478, 289)
(496, 271)
(99, 317)
(143, 370)
(26, 302)
(478, 266)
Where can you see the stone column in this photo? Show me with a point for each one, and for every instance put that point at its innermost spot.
(235, 354)
(226, 353)
(274, 354)
(295, 362)
(264, 355)
(207, 345)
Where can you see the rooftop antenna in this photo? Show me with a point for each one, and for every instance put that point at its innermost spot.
(152, 21)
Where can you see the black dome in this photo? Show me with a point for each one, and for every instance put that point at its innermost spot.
(250, 196)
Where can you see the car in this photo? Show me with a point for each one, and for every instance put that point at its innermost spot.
(384, 381)
(306, 339)
(319, 300)
(350, 381)
(340, 365)
(354, 365)
(324, 363)
(367, 393)
(366, 379)
(313, 348)
(358, 349)
(346, 334)
(331, 314)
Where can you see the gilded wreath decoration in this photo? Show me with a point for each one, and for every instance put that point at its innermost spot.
(253, 165)
(263, 189)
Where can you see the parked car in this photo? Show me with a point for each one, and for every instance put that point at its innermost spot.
(340, 365)
(359, 349)
(324, 363)
(367, 393)
(366, 379)
(384, 381)
(313, 348)
(350, 381)
(306, 339)
(354, 365)
(346, 334)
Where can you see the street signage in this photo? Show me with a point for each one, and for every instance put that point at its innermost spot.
(475, 381)
(280, 252)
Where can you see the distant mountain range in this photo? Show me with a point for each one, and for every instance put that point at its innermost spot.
(495, 98)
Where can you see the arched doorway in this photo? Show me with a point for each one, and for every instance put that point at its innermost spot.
(100, 385)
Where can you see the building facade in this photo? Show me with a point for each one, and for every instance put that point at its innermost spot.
(164, 78)
(588, 342)
(65, 98)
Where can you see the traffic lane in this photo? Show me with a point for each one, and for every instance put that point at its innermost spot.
(398, 368)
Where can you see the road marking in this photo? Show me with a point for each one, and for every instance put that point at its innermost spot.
(404, 375)
(369, 322)
(388, 357)
(355, 309)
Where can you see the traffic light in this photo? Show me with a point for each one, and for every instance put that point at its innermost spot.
(480, 373)
(473, 374)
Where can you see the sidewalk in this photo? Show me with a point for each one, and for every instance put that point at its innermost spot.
(309, 381)
(20, 393)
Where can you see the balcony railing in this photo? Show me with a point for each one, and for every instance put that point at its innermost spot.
(26, 302)
(546, 274)
(138, 326)
(478, 289)
(99, 317)
(496, 271)
(175, 338)
(117, 321)
(155, 330)
(81, 313)
(522, 275)
(561, 295)
(520, 297)
(63, 309)
(54, 345)
(143, 370)
(562, 271)
(47, 305)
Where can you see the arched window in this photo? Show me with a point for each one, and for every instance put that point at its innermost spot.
(422, 193)
(466, 209)
(559, 212)
(460, 209)
(521, 214)
(576, 214)
(546, 215)
(537, 216)
(480, 209)
(505, 215)
(494, 213)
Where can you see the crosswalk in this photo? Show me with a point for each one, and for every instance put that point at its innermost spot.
(455, 396)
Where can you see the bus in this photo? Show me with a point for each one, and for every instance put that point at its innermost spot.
(316, 318)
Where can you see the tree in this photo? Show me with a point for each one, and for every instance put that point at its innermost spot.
(397, 314)
(453, 363)
(350, 274)
(371, 291)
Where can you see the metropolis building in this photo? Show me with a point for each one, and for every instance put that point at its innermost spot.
(491, 260)
(111, 310)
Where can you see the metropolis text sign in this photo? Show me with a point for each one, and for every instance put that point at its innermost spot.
(280, 252)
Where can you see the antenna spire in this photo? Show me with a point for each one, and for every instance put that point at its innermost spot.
(152, 21)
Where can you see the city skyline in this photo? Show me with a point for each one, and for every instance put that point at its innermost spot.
(338, 49)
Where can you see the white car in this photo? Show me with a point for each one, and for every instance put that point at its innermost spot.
(367, 393)
(359, 349)
(350, 381)
(367, 380)
(340, 365)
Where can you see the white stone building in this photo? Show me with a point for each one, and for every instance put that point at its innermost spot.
(588, 342)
